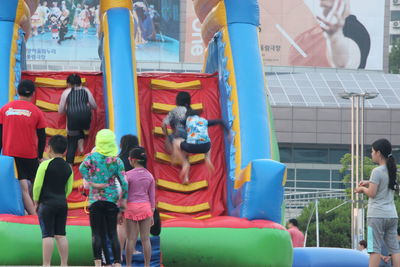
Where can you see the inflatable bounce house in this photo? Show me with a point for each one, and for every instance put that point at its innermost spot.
(231, 217)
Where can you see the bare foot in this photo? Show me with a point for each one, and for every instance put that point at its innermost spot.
(185, 173)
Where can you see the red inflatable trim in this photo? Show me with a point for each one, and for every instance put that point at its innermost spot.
(32, 219)
(221, 222)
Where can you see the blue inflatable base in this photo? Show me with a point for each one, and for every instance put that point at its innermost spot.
(10, 191)
(329, 257)
(138, 259)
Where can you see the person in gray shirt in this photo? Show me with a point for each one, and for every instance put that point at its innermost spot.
(382, 216)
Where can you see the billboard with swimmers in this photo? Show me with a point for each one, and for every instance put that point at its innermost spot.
(318, 33)
(68, 30)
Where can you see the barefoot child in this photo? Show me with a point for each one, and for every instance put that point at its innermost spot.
(197, 141)
(141, 205)
(176, 119)
(52, 186)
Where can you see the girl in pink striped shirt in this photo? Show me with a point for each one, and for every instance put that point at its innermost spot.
(141, 205)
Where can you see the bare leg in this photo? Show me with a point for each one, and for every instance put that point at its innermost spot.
(209, 164)
(132, 231)
(168, 145)
(374, 259)
(144, 227)
(80, 145)
(121, 229)
(48, 246)
(62, 245)
(396, 260)
(28, 202)
(183, 158)
(97, 262)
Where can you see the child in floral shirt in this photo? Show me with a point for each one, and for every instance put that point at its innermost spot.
(103, 171)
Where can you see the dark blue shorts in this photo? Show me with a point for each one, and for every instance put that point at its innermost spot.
(52, 219)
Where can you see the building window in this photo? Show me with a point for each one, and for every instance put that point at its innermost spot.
(313, 175)
(307, 155)
(285, 154)
(335, 155)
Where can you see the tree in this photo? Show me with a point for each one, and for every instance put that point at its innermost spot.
(334, 227)
(346, 167)
(394, 58)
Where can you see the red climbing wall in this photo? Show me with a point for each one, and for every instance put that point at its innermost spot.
(175, 202)
(50, 96)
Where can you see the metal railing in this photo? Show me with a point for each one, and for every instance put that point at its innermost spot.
(298, 200)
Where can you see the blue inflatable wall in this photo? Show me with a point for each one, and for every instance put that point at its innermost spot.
(10, 192)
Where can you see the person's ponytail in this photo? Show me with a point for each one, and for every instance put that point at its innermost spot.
(392, 171)
(385, 147)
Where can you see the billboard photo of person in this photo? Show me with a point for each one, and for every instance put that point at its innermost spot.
(66, 30)
(345, 40)
(157, 29)
(332, 33)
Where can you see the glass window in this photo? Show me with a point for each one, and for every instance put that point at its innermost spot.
(313, 175)
(338, 186)
(306, 155)
(336, 154)
(289, 184)
(395, 15)
(285, 154)
(337, 176)
(290, 174)
(312, 185)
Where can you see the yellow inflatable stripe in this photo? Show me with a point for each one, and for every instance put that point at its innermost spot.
(78, 159)
(207, 216)
(284, 177)
(235, 101)
(164, 216)
(165, 108)
(107, 60)
(245, 176)
(180, 187)
(170, 85)
(183, 209)
(192, 159)
(11, 70)
(49, 82)
(214, 22)
(46, 106)
(77, 183)
(77, 205)
(107, 4)
(53, 131)
(158, 131)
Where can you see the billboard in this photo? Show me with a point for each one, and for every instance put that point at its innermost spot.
(194, 47)
(318, 33)
(68, 30)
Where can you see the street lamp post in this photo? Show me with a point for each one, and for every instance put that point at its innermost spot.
(357, 161)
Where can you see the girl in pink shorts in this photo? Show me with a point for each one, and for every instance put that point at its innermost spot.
(141, 205)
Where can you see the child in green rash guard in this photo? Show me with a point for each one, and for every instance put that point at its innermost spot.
(53, 184)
